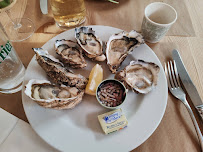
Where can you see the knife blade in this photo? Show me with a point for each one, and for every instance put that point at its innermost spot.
(43, 6)
(187, 82)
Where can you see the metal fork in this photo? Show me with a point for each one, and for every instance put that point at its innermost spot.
(175, 88)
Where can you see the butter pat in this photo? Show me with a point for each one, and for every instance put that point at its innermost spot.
(112, 121)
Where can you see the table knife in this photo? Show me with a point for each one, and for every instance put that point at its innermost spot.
(43, 6)
(187, 82)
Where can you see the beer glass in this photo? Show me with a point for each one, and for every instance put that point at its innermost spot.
(68, 13)
(11, 68)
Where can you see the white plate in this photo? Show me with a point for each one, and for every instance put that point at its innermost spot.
(78, 129)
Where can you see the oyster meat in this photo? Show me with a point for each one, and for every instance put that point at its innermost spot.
(139, 75)
(119, 46)
(54, 96)
(57, 71)
(70, 53)
(90, 43)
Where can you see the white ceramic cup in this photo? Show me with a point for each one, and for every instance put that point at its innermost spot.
(158, 18)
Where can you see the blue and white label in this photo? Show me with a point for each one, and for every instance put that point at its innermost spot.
(113, 117)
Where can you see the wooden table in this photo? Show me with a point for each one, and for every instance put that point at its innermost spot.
(176, 131)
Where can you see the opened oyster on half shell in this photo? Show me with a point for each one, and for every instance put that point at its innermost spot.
(90, 43)
(70, 53)
(139, 75)
(119, 46)
(54, 96)
(57, 71)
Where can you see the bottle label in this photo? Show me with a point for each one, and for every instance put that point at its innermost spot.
(4, 51)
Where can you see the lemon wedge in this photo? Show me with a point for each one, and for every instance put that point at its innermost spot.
(95, 78)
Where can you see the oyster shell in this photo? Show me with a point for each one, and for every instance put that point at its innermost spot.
(56, 70)
(139, 75)
(119, 46)
(90, 43)
(54, 96)
(70, 53)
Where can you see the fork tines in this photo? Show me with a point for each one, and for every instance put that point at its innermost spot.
(172, 74)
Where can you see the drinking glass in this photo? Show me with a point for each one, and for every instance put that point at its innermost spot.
(18, 29)
(158, 18)
(68, 13)
(11, 68)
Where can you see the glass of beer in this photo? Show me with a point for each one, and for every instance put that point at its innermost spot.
(12, 70)
(68, 13)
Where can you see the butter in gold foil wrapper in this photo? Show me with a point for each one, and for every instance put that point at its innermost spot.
(112, 121)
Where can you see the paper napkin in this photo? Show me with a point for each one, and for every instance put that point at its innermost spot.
(18, 136)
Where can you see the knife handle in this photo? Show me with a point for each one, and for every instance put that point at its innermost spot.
(200, 110)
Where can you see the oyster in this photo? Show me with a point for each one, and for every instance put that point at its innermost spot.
(90, 43)
(139, 75)
(119, 46)
(54, 96)
(56, 70)
(70, 53)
